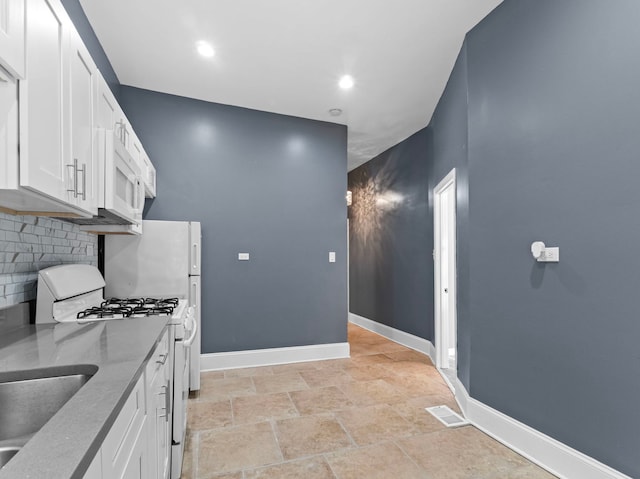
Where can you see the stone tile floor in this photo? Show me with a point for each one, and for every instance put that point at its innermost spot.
(354, 418)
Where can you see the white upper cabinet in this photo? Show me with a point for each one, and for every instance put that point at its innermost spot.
(82, 95)
(107, 107)
(149, 176)
(57, 100)
(52, 161)
(12, 36)
(43, 166)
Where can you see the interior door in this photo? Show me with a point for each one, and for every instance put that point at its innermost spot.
(445, 272)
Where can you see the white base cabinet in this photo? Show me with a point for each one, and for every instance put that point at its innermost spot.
(159, 376)
(138, 445)
(124, 450)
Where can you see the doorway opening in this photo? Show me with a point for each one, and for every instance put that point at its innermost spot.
(444, 255)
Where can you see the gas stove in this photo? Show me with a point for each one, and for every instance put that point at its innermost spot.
(73, 293)
(116, 308)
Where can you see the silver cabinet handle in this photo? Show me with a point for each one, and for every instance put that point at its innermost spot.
(75, 178)
(84, 181)
(73, 172)
(165, 391)
(167, 401)
(163, 360)
(167, 398)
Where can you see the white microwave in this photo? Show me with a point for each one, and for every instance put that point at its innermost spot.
(121, 191)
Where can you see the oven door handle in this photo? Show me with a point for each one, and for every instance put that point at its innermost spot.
(189, 341)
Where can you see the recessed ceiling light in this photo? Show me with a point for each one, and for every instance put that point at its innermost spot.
(335, 112)
(205, 49)
(346, 82)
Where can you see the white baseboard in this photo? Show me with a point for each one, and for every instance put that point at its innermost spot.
(273, 356)
(409, 340)
(550, 454)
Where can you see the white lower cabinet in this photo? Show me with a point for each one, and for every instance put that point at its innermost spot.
(159, 376)
(124, 450)
(138, 445)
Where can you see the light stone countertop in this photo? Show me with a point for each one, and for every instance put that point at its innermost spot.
(66, 445)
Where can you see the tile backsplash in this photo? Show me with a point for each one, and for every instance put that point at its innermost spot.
(30, 243)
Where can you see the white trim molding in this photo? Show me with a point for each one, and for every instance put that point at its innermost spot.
(409, 340)
(550, 454)
(272, 356)
(444, 317)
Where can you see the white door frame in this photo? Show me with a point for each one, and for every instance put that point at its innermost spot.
(442, 358)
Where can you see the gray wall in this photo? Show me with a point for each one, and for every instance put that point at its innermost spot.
(270, 185)
(391, 237)
(450, 149)
(553, 156)
(540, 118)
(81, 22)
(391, 261)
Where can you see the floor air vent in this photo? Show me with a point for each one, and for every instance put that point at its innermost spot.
(447, 416)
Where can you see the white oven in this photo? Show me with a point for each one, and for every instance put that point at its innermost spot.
(184, 338)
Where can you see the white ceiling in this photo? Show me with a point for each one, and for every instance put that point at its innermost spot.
(286, 56)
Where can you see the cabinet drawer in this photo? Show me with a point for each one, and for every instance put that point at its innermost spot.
(159, 357)
(119, 443)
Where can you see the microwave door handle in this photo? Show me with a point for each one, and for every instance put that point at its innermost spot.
(188, 342)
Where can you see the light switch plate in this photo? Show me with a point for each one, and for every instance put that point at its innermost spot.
(332, 256)
(243, 256)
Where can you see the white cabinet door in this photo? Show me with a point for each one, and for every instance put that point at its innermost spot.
(149, 173)
(124, 450)
(82, 95)
(106, 106)
(137, 466)
(8, 134)
(43, 167)
(158, 373)
(12, 36)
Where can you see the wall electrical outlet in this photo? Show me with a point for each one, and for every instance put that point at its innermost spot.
(332, 256)
(243, 256)
(551, 255)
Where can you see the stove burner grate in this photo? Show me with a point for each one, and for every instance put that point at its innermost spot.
(117, 308)
(151, 311)
(105, 313)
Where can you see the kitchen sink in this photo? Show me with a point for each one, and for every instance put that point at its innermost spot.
(28, 399)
